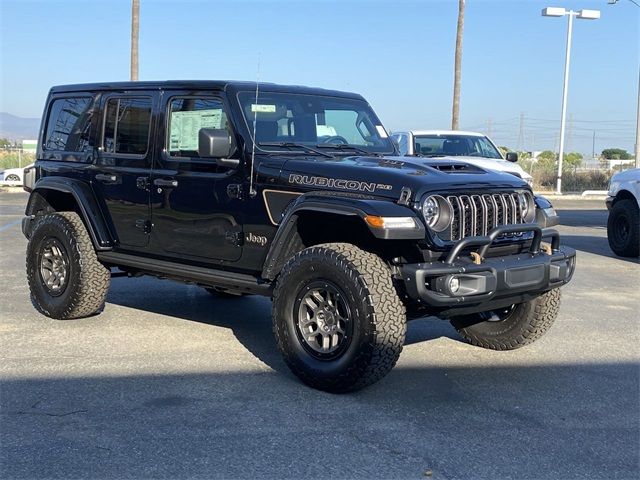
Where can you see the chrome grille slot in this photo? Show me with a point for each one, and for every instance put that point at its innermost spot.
(455, 230)
(474, 215)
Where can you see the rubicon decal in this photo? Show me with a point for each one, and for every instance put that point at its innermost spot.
(337, 183)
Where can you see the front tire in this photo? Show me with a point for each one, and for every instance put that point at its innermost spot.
(623, 228)
(65, 277)
(337, 318)
(511, 327)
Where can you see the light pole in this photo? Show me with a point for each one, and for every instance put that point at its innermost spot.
(561, 12)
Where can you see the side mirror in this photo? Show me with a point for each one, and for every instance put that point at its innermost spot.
(512, 157)
(216, 143)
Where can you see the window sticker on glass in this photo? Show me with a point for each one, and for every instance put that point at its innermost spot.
(381, 131)
(256, 108)
(185, 127)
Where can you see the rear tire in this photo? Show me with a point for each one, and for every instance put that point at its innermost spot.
(623, 228)
(65, 278)
(337, 318)
(512, 327)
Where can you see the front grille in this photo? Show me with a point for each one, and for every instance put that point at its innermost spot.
(474, 215)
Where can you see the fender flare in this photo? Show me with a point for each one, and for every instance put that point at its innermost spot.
(90, 210)
(337, 204)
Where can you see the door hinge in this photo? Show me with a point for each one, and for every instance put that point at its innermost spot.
(405, 196)
(234, 190)
(235, 238)
(145, 225)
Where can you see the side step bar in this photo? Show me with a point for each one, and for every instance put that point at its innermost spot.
(189, 273)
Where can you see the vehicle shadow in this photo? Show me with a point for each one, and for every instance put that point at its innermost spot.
(249, 318)
(583, 218)
(593, 244)
(565, 421)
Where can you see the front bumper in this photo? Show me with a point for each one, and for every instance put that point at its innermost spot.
(467, 282)
(609, 202)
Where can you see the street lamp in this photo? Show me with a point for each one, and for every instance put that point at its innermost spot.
(585, 15)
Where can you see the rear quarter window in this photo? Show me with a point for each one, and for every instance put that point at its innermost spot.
(69, 125)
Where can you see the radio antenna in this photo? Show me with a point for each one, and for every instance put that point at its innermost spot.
(252, 191)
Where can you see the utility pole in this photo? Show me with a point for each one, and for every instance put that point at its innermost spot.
(489, 127)
(570, 133)
(521, 132)
(455, 116)
(135, 28)
(593, 147)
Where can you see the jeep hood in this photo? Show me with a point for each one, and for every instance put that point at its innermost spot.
(387, 176)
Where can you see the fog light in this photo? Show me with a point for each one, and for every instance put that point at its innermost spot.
(454, 284)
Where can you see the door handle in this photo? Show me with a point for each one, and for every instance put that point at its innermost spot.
(104, 177)
(161, 182)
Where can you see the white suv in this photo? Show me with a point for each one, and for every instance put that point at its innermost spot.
(623, 226)
(471, 147)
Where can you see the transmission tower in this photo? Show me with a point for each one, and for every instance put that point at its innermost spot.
(521, 133)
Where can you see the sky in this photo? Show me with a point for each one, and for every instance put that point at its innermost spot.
(398, 54)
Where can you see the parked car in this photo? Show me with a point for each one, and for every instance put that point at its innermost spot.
(470, 147)
(623, 225)
(13, 176)
(293, 193)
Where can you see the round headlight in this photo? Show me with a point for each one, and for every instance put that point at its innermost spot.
(527, 207)
(437, 212)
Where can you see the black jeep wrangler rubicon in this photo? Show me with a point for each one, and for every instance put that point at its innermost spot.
(293, 193)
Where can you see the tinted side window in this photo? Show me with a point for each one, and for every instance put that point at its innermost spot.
(186, 117)
(126, 127)
(68, 125)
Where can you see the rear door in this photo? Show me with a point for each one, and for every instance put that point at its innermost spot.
(123, 167)
(194, 216)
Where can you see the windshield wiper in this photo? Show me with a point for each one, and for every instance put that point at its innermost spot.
(344, 146)
(295, 145)
(429, 155)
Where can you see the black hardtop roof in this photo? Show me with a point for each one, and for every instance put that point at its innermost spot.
(232, 86)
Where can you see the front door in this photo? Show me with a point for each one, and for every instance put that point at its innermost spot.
(123, 167)
(194, 216)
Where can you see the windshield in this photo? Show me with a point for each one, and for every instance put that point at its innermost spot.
(315, 121)
(455, 145)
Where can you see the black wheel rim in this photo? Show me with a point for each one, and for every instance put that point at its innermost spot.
(54, 266)
(622, 228)
(323, 320)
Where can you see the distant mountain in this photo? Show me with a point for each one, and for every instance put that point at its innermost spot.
(18, 128)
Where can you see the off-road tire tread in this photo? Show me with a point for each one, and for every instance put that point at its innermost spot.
(535, 320)
(385, 311)
(89, 289)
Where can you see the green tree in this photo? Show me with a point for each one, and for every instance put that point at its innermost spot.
(546, 160)
(572, 160)
(504, 150)
(616, 154)
(4, 143)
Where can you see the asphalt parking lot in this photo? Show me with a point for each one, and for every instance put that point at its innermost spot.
(169, 382)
